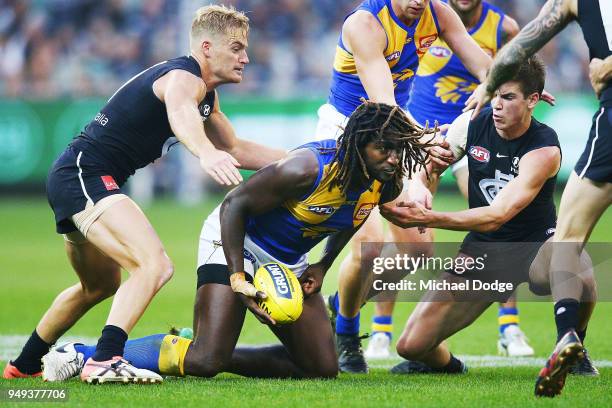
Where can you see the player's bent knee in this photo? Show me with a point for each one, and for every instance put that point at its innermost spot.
(159, 270)
(413, 347)
(324, 371)
(207, 366)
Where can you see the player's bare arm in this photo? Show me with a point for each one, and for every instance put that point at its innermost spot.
(181, 92)
(510, 29)
(312, 278)
(600, 73)
(267, 189)
(553, 18)
(364, 37)
(455, 35)
(536, 167)
(250, 155)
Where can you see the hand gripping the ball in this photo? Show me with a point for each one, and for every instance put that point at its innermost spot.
(249, 296)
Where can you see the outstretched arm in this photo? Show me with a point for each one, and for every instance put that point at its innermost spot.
(423, 184)
(536, 166)
(553, 18)
(250, 155)
(181, 91)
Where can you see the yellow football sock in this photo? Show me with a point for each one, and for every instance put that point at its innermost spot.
(172, 355)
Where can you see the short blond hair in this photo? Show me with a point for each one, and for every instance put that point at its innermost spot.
(218, 19)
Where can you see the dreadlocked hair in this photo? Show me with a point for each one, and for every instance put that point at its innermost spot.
(373, 122)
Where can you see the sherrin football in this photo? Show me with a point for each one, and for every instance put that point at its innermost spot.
(285, 297)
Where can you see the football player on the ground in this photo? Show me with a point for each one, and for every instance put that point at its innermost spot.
(441, 87)
(322, 189)
(588, 192)
(513, 162)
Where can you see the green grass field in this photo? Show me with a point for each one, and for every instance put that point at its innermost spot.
(35, 269)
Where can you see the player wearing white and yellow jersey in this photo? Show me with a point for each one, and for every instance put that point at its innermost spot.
(441, 87)
(379, 51)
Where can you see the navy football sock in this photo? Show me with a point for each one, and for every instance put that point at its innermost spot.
(111, 343)
(29, 361)
(566, 316)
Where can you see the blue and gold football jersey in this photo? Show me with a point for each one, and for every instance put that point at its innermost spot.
(406, 45)
(291, 230)
(443, 84)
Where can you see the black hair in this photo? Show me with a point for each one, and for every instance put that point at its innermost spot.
(531, 76)
(373, 122)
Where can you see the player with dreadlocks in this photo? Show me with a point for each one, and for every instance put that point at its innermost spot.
(323, 189)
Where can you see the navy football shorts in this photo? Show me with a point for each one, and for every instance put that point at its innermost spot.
(75, 179)
(595, 163)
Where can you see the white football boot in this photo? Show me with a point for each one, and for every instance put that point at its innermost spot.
(117, 370)
(62, 363)
(378, 347)
(513, 343)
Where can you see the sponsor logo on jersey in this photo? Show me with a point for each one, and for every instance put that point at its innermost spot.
(101, 118)
(321, 209)
(440, 52)
(248, 256)
(480, 154)
(363, 211)
(393, 56)
(280, 280)
(425, 42)
(109, 183)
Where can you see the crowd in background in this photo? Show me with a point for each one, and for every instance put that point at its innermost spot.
(79, 48)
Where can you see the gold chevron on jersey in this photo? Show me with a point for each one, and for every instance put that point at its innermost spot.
(323, 203)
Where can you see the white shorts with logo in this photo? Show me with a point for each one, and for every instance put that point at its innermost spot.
(210, 250)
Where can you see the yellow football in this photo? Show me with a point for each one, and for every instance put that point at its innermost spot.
(285, 297)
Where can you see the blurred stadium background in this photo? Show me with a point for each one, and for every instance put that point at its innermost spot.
(61, 59)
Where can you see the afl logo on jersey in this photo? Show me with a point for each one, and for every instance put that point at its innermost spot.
(480, 154)
(393, 56)
(440, 52)
(321, 209)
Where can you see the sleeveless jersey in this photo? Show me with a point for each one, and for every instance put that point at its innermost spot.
(132, 129)
(443, 84)
(405, 48)
(291, 230)
(595, 19)
(493, 162)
